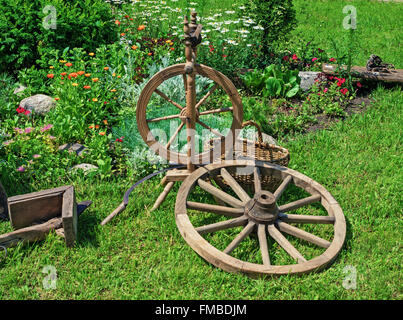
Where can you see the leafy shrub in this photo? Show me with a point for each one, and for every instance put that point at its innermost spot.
(277, 18)
(24, 39)
(273, 82)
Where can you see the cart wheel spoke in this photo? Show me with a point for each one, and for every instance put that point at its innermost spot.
(203, 100)
(238, 239)
(241, 193)
(301, 234)
(209, 128)
(299, 203)
(163, 95)
(215, 111)
(205, 207)
(174, 135)
(282, 187)
(220, 194)
(257, 181)
(174, 116)
(285, 244)
(261, 233)
(228, 224)
(298, 218)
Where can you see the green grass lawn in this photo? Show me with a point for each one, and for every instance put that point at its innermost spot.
(141, 254)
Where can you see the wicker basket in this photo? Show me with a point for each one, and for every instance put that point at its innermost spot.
(256, 150)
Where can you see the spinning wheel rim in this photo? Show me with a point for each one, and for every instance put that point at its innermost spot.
(172, 71)
(231, 264)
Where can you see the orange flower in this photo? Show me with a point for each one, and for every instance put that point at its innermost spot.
(134, 47)
(63, 73)
(106, 68)
(97, 126)
(95, 79)
(102, 133)
(119, 77)
(117, 22)
(141, 27)
(87, 87)
(172, 49)
(105, 122)
(72, 75)
(50, 75)
(57, 99)
(74, 84)
(91, 54)
(113, 90)
(94, 99)
(91, 126)
(80, 73)
(68, 64)
(88, 75)
(150, 54)
(122, 34)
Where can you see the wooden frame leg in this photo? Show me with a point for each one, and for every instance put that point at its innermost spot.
(163, 195)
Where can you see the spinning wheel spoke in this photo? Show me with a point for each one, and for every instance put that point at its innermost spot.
(174, 116)
(219, 194)
(285, 244)
(257, 181)
(261, 233)
(303, 235)
(297, 218)
(299, 203)
(216, 111)
(238, 239)
(233, 223)
(203, 100)
(282, 187)
(174, 135)
(209, 128)
(205, 207)
(163, 95)
(241, 193)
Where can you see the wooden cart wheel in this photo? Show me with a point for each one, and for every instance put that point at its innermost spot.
(255, 234)
(178, 112)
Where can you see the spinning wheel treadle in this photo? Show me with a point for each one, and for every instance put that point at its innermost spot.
(259, 214)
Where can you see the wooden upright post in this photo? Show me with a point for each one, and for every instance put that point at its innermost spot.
(190, 91)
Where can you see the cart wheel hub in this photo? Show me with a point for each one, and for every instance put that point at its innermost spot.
(183, 115)
(262, 207)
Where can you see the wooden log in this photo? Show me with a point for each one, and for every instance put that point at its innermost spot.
(395, 75)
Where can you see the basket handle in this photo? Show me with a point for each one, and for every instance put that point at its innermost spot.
(259, 131)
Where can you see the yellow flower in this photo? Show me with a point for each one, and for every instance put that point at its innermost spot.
(88, 75)
(94, 99)
(62, 61)
(74, 84)
(113, 90)
(91, 54)
(95, 79)
(113, 74)
(51, 67)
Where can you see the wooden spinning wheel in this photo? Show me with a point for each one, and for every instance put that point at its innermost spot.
(259, 214)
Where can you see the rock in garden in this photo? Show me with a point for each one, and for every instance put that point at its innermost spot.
(86, 167)
(20, 89)
(79, 149)
(307, 79)
(38, 104)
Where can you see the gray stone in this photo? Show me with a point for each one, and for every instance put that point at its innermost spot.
(20, 89)
(269, 139)
(307, 79)
(39, 103)
(79, 149)
(86, 167)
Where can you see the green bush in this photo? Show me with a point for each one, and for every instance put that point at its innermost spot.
(276, 17)
(24, 39)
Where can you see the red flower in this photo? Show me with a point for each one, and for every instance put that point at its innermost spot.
(332, 59)
(340, 81)
(50, 75)
(294, 57)
(344, 91)
(68, 64)
(119, 139)
(314, 59)
(117, 22)
(286, 58)
(359, 85)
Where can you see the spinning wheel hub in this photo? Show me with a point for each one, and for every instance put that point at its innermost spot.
(262, 208)
(183, 115)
